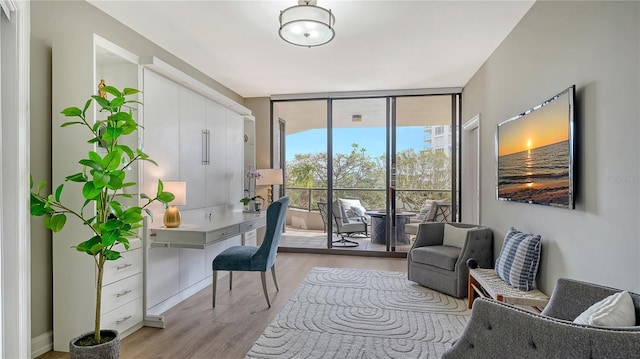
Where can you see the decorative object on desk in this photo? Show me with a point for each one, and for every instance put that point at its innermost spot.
(100, 183)
(172, 218)
(246, 201)
(269, 177)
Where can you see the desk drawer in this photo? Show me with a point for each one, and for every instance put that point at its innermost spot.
(128, 265)
(124, 317)
(253, 224)
(221, 234)
(121, 292)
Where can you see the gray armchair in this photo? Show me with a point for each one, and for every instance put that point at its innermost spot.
(498, 330)
(442, 267)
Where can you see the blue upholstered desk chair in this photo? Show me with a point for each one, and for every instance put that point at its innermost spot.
(255, 259)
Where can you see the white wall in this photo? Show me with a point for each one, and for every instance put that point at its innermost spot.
(596, 46)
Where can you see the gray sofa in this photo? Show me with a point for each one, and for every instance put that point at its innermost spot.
(498, 330)
(443, 268)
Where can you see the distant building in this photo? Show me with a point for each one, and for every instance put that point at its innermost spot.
(438, 138)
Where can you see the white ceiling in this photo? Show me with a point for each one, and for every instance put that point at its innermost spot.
(379, 45)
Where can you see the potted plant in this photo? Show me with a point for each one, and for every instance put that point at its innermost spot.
(103, 180)
(256, 205)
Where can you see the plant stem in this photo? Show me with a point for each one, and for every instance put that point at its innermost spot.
(101, 261)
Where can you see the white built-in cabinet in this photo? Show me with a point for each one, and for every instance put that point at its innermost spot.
(194, 138)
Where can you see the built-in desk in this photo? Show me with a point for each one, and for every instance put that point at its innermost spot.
(178, 260)
(200, 235)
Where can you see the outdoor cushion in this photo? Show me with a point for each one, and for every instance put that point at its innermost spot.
(444, 257)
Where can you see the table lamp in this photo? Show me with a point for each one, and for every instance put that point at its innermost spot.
(269, 177)
(172, 214)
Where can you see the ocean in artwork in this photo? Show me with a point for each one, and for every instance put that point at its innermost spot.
(539, 175)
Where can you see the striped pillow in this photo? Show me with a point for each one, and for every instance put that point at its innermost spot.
(518, 261)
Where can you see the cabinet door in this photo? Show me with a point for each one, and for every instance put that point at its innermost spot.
(163, 274)
(192, 147)
(191, 267)
(161, 136)
(235, 157)
(217, 186)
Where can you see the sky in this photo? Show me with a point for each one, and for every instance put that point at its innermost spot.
(371, 138)
(544, 126)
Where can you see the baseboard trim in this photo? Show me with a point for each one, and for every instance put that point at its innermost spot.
(41, 344)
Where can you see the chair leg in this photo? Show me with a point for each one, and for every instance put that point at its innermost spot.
(264, 287)
(273, 274)
(215, 280)
(230, 279)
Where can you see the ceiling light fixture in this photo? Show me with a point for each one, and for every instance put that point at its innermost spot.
(306, 24)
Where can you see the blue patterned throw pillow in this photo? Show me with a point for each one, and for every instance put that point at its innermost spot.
(518, 261)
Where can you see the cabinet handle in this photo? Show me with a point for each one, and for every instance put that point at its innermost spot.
(123, 319)
(124, 266)
(123, 293)
(206, 147)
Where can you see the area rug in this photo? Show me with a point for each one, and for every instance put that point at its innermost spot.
(353, 313)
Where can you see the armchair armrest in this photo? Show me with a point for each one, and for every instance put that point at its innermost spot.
(429, 234)
(479, 245)
(498, 330)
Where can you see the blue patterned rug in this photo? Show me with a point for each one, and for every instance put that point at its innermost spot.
(353, 313)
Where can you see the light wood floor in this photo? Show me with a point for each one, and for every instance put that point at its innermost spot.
(195, 330)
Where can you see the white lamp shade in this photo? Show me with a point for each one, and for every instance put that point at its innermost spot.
(179, 190)
(306, 25)
(269, 176)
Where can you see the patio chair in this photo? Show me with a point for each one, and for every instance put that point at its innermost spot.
(347, 221)
(431, 211)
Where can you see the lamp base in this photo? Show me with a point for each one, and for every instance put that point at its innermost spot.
(172, 217)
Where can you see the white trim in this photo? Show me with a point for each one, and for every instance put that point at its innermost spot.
(8, 7)
(472, 124)
(172, 73)
(16, 248)
(362, 94)
(41, 344)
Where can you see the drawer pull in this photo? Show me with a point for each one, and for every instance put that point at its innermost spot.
(123, 293)
(123, 319)
(124, 266)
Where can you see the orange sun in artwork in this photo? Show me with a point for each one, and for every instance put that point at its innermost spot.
(529, 143)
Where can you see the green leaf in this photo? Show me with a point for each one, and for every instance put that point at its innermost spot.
(95, 157)
(86, 106)
(160, 188)
(112, 90)
(116, 208)
(125, 195)
(166, 197)
(112, 160)
(117, 102)
(90, 163)
(150, 160)
(110, 237)
(71, 123)
(41, 185)
(71, 111)
(144, 196)
(124, 241)
(115, 182)
(59, 192)
(149, 213)
(129, 91)
(78, 177)
(111, 134)
(128, 184)
(88, 244)
(56, 222)
(112, 255)
(95, 249)
(102, 102)
(100, 179)
(89, 191)
(127, 150)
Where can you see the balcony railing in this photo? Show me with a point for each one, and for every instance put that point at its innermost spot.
(306, 198)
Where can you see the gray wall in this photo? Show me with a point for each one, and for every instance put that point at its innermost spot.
(596, 46)
(47, 19)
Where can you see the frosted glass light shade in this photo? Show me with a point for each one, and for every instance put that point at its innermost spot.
(306, 25)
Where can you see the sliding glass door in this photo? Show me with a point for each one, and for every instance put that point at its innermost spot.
(361, 172)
